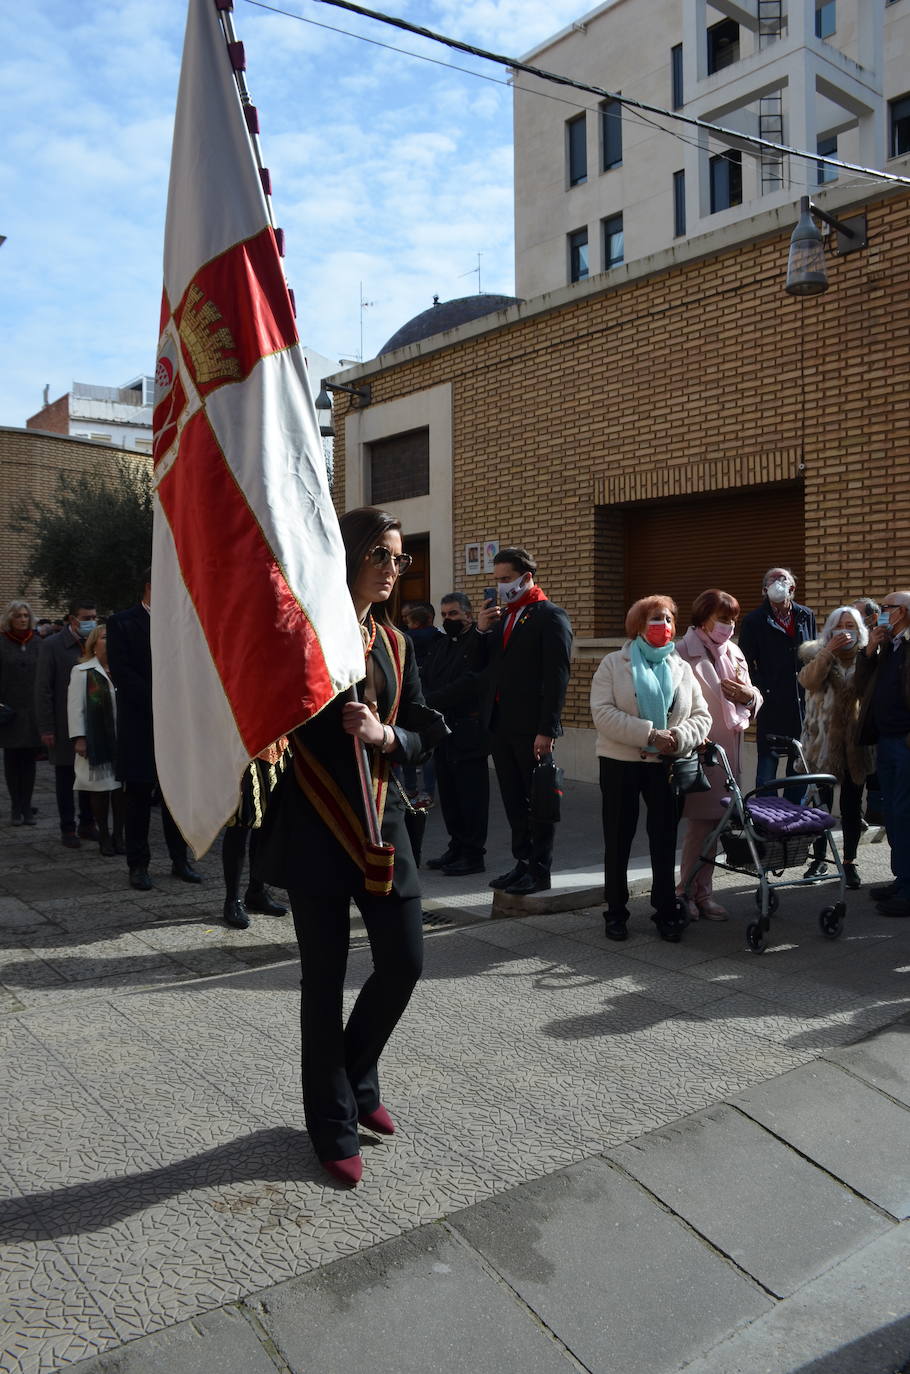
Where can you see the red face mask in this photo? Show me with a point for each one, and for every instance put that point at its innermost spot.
(658, 634)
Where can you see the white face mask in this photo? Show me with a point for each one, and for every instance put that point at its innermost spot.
(778, 590)
(511, 591)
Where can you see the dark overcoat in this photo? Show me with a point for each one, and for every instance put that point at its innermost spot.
(18, 674)
(527, 678)
(772, 657)
(451, 678)
(58, 657)
(296, 847)
(129, 653)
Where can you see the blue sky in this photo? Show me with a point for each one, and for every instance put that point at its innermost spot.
(385, 170)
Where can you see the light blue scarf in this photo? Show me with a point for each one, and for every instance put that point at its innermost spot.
(652, 681)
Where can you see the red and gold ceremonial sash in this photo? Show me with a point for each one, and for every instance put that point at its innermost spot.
(333, 807)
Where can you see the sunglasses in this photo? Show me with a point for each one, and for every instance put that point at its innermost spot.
(381, 557)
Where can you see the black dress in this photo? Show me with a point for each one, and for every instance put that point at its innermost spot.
(300, 850)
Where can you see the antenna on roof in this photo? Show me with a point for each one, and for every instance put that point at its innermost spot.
(477, 270)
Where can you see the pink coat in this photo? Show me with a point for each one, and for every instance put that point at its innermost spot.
(705, 806)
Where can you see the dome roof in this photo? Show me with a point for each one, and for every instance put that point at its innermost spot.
(443, 315)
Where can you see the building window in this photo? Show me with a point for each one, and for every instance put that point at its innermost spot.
(828, 148)
(399, 467)
(611, 133)
(679, 204)
(613, 241)
(676, 76)
(825, 18)
(723, 45)
(899, 113)
(726, 181)
(577, 149)
(143, 445)
(578, 255)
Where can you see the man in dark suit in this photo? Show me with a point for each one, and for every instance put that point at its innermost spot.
(129, 652)
(451, 685)
(529, 648)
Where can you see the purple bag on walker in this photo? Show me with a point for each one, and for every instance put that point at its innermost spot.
(778, 817)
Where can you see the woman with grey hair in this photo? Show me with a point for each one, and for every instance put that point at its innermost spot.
(829, 737)
(19, 738)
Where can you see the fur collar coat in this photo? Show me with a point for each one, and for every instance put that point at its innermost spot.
(829, 736)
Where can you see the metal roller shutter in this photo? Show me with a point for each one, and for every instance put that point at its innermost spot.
(726, 540)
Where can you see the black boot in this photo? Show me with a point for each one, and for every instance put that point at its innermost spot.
(258, 899)
(235, 913)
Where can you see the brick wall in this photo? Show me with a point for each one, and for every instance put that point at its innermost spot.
(29, 464)
(704, 377)
(53, 418)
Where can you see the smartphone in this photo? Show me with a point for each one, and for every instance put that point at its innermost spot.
(490, 596)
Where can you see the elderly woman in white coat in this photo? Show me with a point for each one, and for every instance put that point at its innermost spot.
(648, 708)
(733, 701)
(92, 718)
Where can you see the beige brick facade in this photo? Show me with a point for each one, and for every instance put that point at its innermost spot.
(30, 462)
(701, 377)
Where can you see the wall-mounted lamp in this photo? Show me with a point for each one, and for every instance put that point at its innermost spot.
(806, 274)
(360, 396)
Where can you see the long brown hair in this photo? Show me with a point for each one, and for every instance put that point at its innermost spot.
(361, 530)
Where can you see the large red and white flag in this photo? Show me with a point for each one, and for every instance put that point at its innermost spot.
(253, 629)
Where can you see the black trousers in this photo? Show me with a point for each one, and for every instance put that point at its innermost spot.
(64, 778)
(622, 785)
(19, 771)
(340, 1062)
(233, 852)
(137, 811)
(851, 811)
(513, 759)
(464, 796)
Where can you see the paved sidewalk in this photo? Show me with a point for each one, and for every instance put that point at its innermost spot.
(610, 1158)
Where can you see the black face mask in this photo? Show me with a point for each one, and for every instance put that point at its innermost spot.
(453, 628)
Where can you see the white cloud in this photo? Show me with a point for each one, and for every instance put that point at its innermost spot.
(386, 170)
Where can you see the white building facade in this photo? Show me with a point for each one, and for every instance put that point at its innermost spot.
(596, 185)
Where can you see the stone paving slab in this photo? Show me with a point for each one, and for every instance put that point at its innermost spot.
(623, 1284)
(424, 1304)
(856, 1133)
(851, 1320)
(883, 1062)
(221, 1342)
(777, 1217)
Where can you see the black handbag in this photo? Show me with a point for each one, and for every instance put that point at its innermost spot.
(415, 821)
(546, 790)
(687, 775)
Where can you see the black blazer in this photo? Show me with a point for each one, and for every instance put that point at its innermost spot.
(129, 651)
(525, 681)
(296, 848)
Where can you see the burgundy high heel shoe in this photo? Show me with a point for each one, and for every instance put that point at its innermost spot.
(378, 1121)
(348, 1171)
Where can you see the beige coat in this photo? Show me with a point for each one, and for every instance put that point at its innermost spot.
(621, 732)
(832, 714)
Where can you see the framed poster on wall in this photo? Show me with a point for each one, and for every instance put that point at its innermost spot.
(490, 550)
(472, 559)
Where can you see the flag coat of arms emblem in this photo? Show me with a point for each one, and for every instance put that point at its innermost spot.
(253, 628)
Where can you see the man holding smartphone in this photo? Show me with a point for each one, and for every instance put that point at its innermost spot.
(883, 683)
(529, 644)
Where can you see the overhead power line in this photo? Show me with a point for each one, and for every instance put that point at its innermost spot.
(514, 64)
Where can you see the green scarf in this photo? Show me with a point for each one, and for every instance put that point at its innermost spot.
(652, 681)
(100, 737)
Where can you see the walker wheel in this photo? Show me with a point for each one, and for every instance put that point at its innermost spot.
(773, 900)
(755, 937)
(831, 922)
